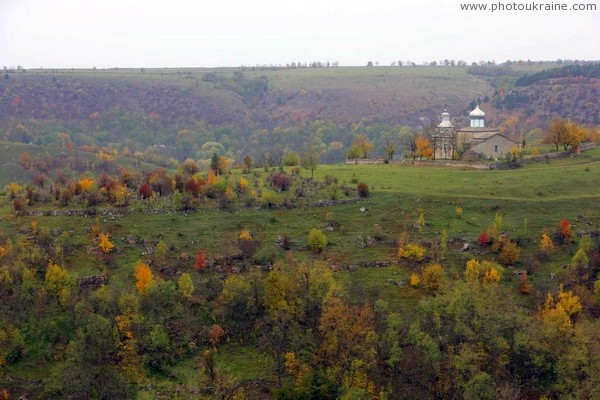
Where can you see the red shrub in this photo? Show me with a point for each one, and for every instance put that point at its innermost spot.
(483, 239)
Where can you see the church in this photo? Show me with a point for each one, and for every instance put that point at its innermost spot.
(450, 142)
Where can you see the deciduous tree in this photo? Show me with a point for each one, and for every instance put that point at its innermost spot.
(105, 244)
(143, 276)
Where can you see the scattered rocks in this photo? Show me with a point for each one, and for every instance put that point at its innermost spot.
(396, 283)
(92, 281)
(366, 241)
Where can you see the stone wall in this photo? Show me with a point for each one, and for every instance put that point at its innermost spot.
(472, 164)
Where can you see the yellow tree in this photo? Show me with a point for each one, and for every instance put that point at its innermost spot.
(363, 144)
(105, 244)
(432, 278)
(56, 282)
(546, 244)
(143, 276)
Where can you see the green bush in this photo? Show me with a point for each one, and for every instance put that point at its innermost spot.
(317, 241)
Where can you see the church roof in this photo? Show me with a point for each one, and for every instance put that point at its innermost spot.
(477, 112)
(445, 120)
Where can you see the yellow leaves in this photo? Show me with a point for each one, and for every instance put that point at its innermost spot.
(245, 235)
(6, 278)
(120, 195)
(56, 282)
(3, 251)
(243, 184)
(412, 252)
(86, 183)
(223, 164)
(105, 157)
(560, 312)
(415, 280)
(472, 271)
(510, 252)
(14, 189)
(290, 362)
(491, 276)
(459, 212)
(296, 368)
(569, 302)
(546, 244)
(515, 152)
(105, 244)
(143, 276)
(433, 277)
(485, 272)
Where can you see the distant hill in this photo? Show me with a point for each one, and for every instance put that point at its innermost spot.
(263, 113)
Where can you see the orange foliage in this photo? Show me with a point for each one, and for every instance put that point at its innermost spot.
(105, 244)
(423, 147)
(86, 183)
(565, 230)
(143, 276)
(212, 177)
(215, 334)
(525, 285)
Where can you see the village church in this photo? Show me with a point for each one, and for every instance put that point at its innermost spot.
(450, 142)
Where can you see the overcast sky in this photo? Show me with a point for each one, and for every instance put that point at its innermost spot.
(202, 33)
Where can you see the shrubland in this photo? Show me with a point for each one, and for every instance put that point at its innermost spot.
(127, 280)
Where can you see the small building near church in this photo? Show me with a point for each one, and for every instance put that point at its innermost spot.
(450, 142)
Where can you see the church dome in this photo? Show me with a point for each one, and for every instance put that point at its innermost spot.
(477, 112)
(445, 120)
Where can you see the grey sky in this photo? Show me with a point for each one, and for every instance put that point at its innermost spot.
(179, 33)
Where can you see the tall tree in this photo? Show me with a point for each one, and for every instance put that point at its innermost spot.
(310, 159)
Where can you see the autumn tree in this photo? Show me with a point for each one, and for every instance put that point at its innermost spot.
(363, 144)
(215, 334)
(57, 282)
(411, 252)
(105, 244)
(246, 243)
(432, 278)
(86, 183)
(557, 133)
(510, 252)
(190, 167)
(185, 285)
(317, 241)
(143, 276)
(200, 261)
(546, 244)
(423, 147)
(564, 231)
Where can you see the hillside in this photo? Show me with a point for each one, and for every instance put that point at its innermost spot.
(105, 298)
(266, 112)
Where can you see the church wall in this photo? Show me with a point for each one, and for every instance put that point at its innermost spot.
(488, 147)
